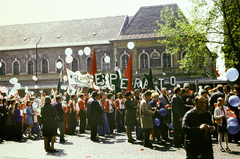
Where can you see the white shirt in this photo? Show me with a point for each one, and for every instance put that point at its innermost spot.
(110, 106)
(121, 105)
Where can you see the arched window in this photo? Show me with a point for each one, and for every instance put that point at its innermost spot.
(143, 61)
(155, 60)
(30, 67)
(2, 69)
(59, 70)
(125, 59)
(166, 60)
(74, 65)
(89, 63)
(44, 66)
(16, 68)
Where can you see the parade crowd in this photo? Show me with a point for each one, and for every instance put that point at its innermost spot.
(193, 119)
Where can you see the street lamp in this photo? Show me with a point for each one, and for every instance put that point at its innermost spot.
(36, 63)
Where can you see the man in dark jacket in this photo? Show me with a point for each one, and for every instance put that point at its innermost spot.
(215, 96)
(60, 113)
(198, 126)
(95, 115)
(178, 111)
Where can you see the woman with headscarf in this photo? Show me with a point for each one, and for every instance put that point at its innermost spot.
(49, 118)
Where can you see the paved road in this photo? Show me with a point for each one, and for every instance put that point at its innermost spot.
(111, 146)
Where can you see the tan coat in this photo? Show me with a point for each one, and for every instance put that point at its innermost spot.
(146, 115)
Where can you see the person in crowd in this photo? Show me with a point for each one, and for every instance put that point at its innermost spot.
(163, 98)
(109, 111)
(220, 114)
(215, 96)
(186, 86)
(67, 118)
(103, 129)
(82, 113)
(157, 105)
(95, 115)
(23, 107)
(29, 119)
(207, 88)
(146, 114)
(17, 118)
(137, 99)
(49, 117)
(130, 119)
(204, 94)
(120, 112)
(10, 124)
(72, 105)
(197, 125)
(178, 111)
(60, 113)
(4, 115)
(36, 128)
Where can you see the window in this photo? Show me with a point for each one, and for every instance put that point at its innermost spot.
(143, 61)
(59, 70)
(16, 68)
(30, 67)
(183, 54)
(44, 66)
(166, 60)
(74, 65)
(155, 60)
(2, 69)
(124, 61)
(89, 63)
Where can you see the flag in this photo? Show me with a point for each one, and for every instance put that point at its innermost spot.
(149, 79)
(94, 64)
(118, 72)
(59, 83)
(128, 73)
(215, 71)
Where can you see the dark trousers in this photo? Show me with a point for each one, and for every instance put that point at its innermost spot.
(139, 131)
(73, 122)
(120, 121)
(178, 136)
(60, 125)
(165, 132)
(110, 117)
(82, 121)
(19, 130)
(195, 151)
(146, 134)
(93, 132)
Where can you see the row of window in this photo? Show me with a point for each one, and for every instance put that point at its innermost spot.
(155, 60)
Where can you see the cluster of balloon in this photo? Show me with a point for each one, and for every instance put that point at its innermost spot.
(156, 122)
(234, 101)
(34, 78)
(69, 58)
(232, 74)
(233, 126)
(162, 111)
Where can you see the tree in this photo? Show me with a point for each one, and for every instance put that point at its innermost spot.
(213, 23)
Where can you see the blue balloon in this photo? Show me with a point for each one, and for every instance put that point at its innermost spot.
(162, 112)
(232, 121)
(170, 126)
(232, 74)
(156, 122)
(234, 100)
(233, 129)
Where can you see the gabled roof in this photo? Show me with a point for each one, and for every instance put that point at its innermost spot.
(61, 33)
(143, 24)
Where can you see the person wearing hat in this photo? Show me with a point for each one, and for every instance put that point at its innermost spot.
(146, 114)
(95, 115)
(130, 115)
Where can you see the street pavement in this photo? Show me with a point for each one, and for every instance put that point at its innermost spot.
(114, 146)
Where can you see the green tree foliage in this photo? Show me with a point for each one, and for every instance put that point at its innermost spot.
(213, 23)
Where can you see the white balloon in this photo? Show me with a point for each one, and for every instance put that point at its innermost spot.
(69, 59)
(10, 81)
(32, 93)
(26, 87)
(26, 91)
(3, 89)
(87, 51)
(34, 77)
(80, 52)
(34, 105)
(107, 59)
(14, 80)
(65, 78)
(17, 86)
(59, 65)
(0, 64)
(178, 85)
(130, 45)
(68, 51)
(36, 86)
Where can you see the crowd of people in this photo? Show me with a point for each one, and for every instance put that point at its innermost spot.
(191, 117)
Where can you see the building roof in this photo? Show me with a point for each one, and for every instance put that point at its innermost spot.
(61, 33)
(144, 22)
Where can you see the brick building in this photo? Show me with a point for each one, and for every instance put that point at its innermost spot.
(109, 35)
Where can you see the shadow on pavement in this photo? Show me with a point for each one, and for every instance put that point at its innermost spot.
(66, 143)
(61, 153)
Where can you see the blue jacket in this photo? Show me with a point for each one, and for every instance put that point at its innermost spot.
(17, 116)
(29, 117)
